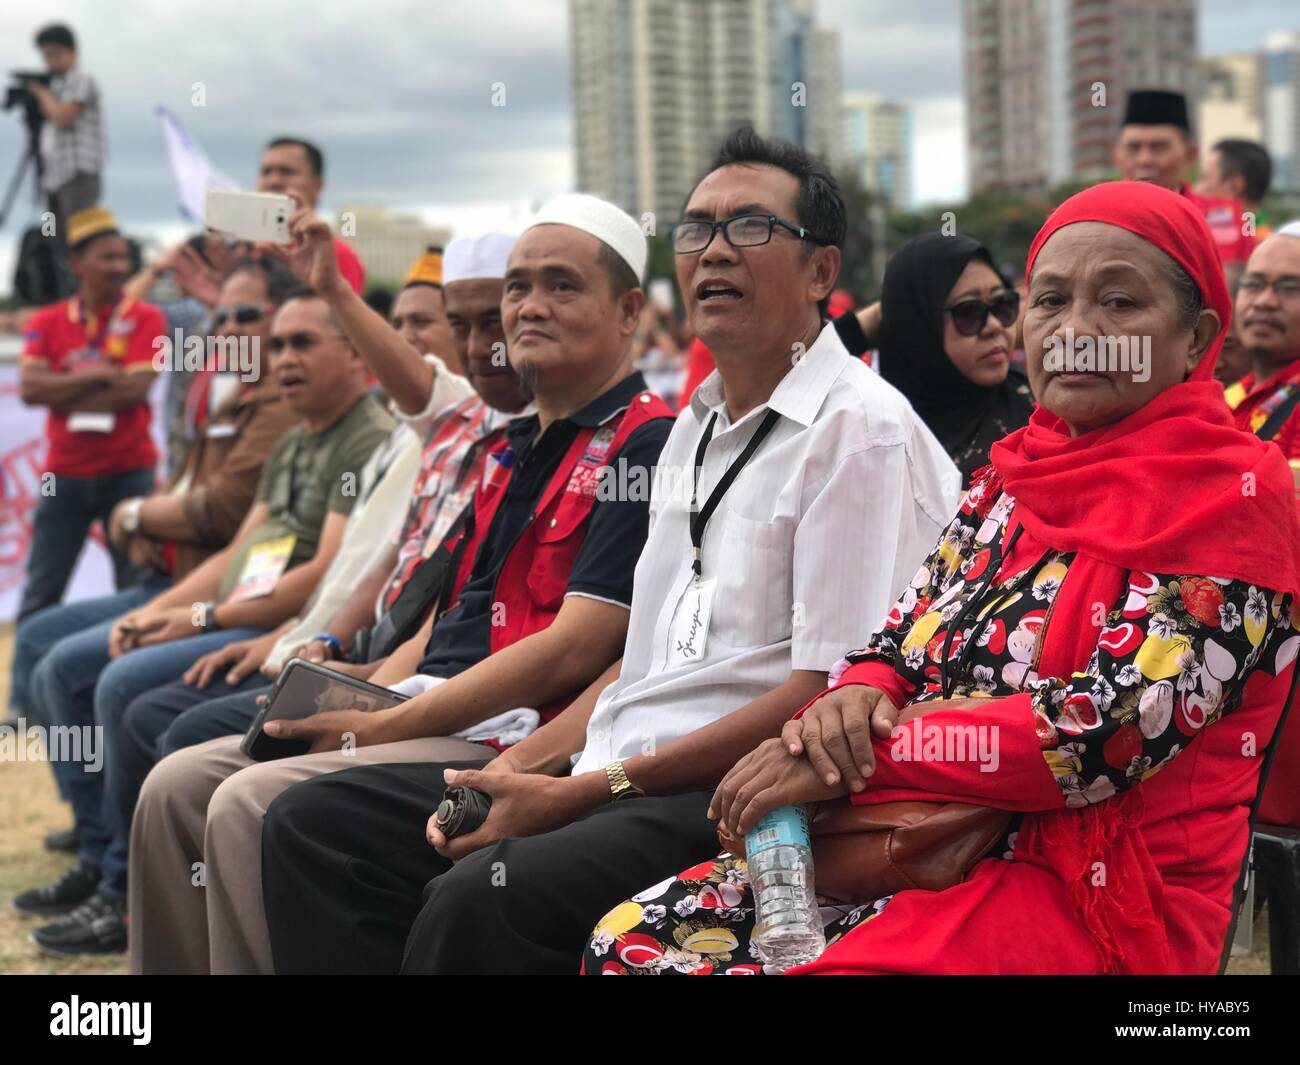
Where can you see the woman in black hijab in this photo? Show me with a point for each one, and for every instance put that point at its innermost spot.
(945, 343)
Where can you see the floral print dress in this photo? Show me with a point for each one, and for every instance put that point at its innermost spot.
(1172, 657)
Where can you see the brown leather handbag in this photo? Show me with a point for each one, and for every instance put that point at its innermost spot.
(861, 853)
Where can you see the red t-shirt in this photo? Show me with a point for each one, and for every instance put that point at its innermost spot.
(1225, 222)
(64, 336)
(349, 265)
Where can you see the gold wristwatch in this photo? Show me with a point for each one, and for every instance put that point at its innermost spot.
(619, 786)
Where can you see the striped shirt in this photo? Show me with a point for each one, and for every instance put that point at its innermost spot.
(82, 147)
(453, 457)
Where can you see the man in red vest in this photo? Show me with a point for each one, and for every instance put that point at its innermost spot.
(535, 603)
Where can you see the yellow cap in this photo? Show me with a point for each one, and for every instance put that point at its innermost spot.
(426, 270)
(90, 223)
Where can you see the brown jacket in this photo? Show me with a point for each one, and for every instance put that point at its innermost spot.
(224, 465)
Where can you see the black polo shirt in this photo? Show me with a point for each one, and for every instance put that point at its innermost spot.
(615, 531)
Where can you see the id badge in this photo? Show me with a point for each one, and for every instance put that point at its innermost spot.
(91, 421)
(688, 636)
(262, 569)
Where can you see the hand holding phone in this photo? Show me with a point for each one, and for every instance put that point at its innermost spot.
(255, 216)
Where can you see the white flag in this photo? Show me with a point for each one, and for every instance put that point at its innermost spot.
(190, 167)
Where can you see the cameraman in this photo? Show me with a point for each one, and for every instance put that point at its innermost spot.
(72, 143)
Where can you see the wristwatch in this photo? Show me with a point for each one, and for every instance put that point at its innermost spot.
(131, 515)
(210, 616)
(619, 786)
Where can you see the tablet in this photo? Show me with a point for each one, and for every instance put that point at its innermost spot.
(303, 689)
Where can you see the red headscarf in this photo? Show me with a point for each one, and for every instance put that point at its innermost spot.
(1174, 487)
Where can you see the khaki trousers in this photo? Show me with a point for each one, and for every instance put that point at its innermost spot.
(195, 881)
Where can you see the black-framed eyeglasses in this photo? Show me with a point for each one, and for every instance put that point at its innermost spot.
(969, 316)
(243, 313)
(741, 231)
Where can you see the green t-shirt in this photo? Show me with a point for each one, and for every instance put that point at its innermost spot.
(308, 476)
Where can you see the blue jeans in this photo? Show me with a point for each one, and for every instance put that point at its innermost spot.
(59, 528)
(38, 632)
(81, 687)
(180, 715)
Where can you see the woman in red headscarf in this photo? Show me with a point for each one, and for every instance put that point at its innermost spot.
(1113, 603)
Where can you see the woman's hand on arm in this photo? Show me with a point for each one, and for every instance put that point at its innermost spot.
(836, 731)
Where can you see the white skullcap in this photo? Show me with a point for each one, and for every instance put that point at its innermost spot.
(603, 221)
(468, 258)
(1291, 229)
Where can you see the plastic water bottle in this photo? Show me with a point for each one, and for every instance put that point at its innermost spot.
(788, 929)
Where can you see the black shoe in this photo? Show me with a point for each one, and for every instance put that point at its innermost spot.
(65, 841)
(67, 893)
(98, 927)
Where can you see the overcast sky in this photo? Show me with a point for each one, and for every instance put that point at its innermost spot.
(398, 91)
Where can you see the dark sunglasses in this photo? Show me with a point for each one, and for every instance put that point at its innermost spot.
(243, 313)
(969, 316)
(297, 341)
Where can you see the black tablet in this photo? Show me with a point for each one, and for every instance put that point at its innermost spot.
(305, 688)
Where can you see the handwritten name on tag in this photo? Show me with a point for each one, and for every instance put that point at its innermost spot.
(688, 635)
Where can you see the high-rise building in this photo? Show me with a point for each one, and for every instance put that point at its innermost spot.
(1232, 103)
(1046, 82)
(1282, 107)
(876, 143)
(657, 85)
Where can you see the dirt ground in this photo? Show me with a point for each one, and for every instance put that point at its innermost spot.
(30, 807)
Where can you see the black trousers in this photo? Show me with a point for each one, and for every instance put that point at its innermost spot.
(351, 885)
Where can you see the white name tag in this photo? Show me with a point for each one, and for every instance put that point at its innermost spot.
(689, 633)
(91, 421)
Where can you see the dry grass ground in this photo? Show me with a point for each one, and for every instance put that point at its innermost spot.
(30, 807)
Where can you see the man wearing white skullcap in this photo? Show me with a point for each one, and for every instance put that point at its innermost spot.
(536, 608)
(572, 301)
(1266, 318)
(813, 508)
(472, 272)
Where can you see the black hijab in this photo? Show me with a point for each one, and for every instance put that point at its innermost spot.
(958, 411)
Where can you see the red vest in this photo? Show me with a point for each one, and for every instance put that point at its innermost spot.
(531, 584)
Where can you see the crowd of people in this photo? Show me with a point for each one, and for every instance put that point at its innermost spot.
(860, 521)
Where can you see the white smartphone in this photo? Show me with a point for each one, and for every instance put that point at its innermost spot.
(250, 215)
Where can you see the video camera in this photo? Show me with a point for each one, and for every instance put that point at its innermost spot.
(16, 95)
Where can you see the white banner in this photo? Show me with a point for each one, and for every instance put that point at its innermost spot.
(22, 455)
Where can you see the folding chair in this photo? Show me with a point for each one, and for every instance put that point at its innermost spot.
(1279, 853)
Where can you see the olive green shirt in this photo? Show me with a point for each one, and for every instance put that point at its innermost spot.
(309, 476)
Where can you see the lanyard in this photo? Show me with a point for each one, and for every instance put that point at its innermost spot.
(700, 518)
(103, 323)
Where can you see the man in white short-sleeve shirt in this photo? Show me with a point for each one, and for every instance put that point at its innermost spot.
(819, 492)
